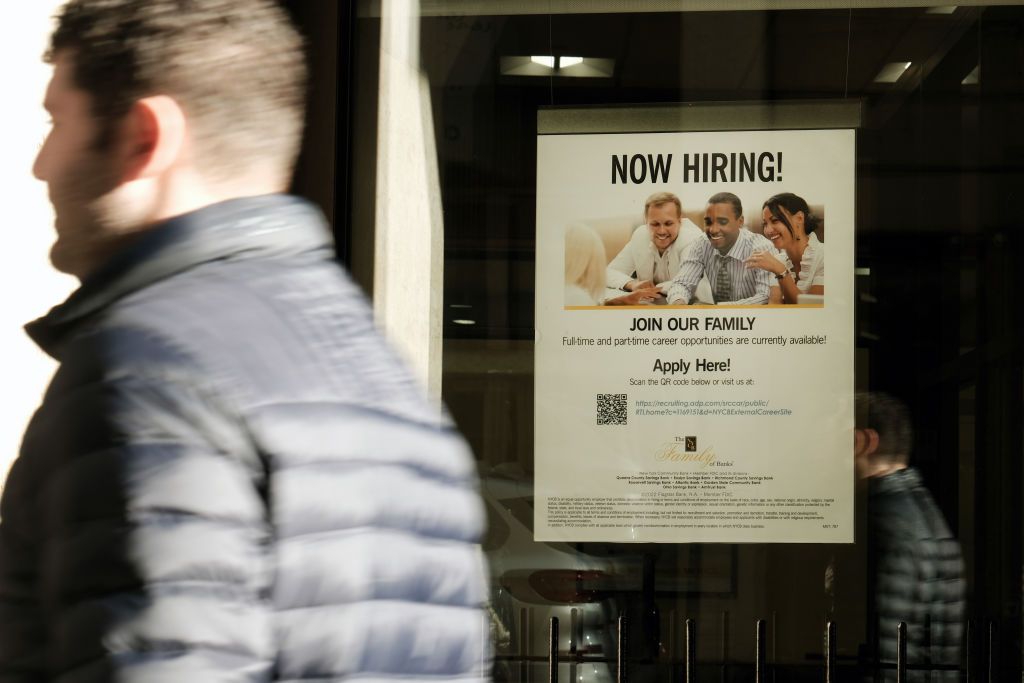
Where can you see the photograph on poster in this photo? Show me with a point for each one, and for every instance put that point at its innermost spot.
(711, 255)
(693, 378)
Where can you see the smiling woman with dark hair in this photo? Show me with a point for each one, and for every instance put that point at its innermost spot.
(790, 225)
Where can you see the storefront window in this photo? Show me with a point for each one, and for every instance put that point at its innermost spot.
(939, 94)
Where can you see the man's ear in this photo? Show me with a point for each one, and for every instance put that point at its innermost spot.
(865, 442)
(153, 137)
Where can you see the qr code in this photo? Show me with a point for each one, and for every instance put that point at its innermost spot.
(611, 409)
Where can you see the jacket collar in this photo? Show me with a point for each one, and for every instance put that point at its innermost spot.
(237, 229)
(899, 481)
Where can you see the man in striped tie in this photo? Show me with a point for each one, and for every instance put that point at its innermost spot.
(721, 258)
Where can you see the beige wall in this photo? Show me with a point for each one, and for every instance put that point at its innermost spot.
(30, 287)
(408, 276)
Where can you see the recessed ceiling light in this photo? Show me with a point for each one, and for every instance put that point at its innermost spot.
(892, 71)
(586, 67)
(551, 65)
(525, 65)
(463, 321)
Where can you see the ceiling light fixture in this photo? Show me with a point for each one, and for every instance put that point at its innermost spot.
(553, 65)
(892, 71)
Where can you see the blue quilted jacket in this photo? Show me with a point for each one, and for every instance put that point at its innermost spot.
(232, 477)
(919, 576)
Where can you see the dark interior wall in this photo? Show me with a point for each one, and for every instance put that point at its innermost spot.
(997, 358)
(940, 180)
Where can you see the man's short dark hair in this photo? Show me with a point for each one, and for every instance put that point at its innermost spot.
(890, 417)
(236, 67)
(728, 198)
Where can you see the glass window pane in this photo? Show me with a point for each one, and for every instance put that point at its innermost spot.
(937, 324)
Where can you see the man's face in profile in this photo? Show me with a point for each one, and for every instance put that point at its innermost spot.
(78, 176)
(722, 226)
(663, 222)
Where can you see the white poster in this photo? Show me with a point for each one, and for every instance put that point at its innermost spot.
(694, 357)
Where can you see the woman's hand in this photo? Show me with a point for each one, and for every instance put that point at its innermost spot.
(765, 261)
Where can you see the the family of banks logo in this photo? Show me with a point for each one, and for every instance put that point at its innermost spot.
(686, 449)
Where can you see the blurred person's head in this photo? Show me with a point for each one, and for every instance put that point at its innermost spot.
(161, 107)
(787, 220)
(662, 212)
(723, 220)
(585, 260)
(883, 436)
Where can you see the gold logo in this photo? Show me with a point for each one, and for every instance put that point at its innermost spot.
(670, 452)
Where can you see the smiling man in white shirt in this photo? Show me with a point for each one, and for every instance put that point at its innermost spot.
(657, 249)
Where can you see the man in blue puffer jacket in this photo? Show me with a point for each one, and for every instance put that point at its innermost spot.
(917, 569)
(231, 476)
